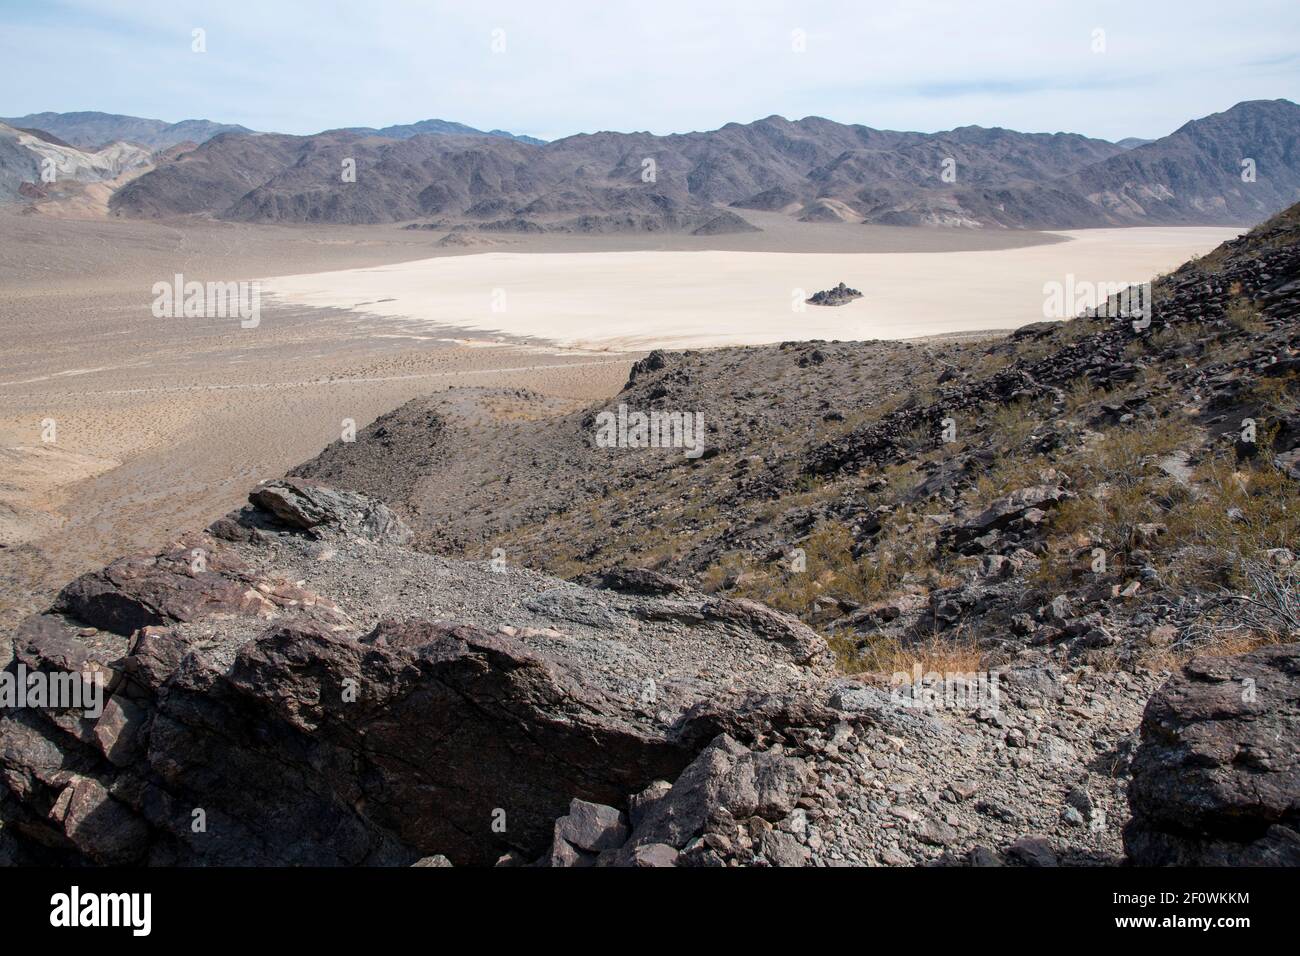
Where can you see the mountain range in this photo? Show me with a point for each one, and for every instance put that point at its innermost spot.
(90, 130)
(1236, 167)
(437, 127)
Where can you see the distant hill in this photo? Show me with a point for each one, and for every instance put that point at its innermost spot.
(25, 153)
(91, 130)
(1193, 176)
(436, 127)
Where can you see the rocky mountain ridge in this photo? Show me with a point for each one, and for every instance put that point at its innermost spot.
(1230, 168)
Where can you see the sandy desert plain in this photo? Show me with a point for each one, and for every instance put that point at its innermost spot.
(161, 425)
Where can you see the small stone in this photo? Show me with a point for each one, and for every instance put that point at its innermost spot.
(983, 856)
(1079, 798)
(639, 804)
(784, 850)
(564, 854)
(936, 833)
(1032, 851)
(592, 826)
(964, 789)
(905, 813)
(654, 855)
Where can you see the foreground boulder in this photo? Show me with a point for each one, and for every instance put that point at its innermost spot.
(1216, 781)
(197, 577)
(426, 707)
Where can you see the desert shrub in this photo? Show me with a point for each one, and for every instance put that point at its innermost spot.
(1242, 315)
(1082, 394)
(1273, 397)
(1240, 513)
(902, 549)
(1011, 424)
(1007, 474)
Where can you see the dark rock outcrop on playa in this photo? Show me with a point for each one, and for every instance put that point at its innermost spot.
(840, 295)
(1216, 781)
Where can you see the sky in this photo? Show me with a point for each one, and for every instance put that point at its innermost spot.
(551, 68)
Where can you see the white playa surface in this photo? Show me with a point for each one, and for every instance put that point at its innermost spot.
(694, 299)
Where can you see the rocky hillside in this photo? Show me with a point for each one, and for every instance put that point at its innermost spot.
(1025, 601)
(1237, 166)
(1082, 487)
(296, 685)
(814, 169)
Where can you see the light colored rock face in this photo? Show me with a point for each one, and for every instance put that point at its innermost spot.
(41, 160)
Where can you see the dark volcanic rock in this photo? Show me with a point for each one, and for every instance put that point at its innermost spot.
(1216, 781)
(635, 581)
(1007, 509)
(248, 721)
(802, 641)
(309, 506)
(840, 295)
(192, 580)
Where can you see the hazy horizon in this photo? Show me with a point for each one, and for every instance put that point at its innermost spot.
(924, 67)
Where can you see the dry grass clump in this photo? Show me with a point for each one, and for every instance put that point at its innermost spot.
(1244, 316)
(1011, 424)
(1213, 544)
(1273, 397)
(1006, 475)
(884, 657)
(903, 552)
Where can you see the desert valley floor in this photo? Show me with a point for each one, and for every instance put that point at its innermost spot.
(162, 425)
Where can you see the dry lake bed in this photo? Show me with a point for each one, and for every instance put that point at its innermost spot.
(637, 300)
